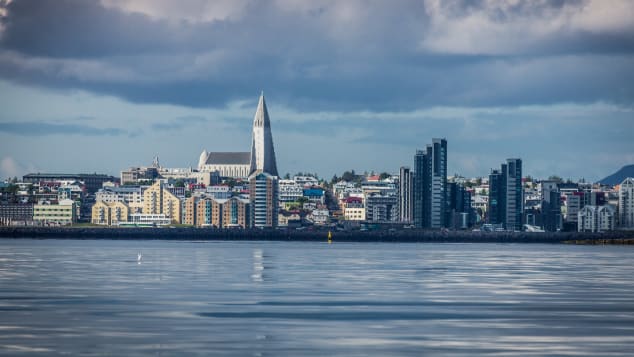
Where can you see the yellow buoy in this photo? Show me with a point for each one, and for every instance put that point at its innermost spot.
(329, 237)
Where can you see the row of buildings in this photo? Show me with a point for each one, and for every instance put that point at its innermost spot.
(420, 198)
(253, 206)
(243, 189)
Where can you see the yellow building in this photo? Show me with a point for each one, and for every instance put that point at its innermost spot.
(62, 213)
(110, 213)
(204, 210)
(235, 213)
(158, 200)
(191, 205)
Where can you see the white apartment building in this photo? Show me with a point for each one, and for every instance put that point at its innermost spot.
(595, 219)
(626, 203)
(290, 191)
(306, 181)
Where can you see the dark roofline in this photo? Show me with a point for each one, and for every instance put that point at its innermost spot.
(228, 158)
(67, 175)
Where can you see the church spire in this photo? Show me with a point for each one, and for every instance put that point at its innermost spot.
(262, 152)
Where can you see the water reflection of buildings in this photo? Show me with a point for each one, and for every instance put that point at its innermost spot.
(258, 266)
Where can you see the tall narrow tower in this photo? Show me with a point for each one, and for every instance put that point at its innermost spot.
(262, 152)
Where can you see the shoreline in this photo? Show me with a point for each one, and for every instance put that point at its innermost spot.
(405, 236)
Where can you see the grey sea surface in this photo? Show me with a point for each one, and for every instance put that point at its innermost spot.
(93, 297)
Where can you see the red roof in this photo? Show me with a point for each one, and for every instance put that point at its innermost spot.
(353, 199)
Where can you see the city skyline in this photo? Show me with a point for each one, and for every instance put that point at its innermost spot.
(350, 85)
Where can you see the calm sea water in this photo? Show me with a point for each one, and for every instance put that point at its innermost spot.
(279, 298)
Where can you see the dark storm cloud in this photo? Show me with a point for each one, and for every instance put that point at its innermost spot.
(70, 28)
(43, 129)
(375, 56)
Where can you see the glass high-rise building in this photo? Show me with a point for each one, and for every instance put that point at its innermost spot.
(405, 194)
(506, 196)
(430, 185)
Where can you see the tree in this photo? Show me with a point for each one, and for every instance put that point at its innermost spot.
(334, 179)
(554, 178)
(230, 182)
(349, 176)
(179, 183)
(384, 175)
(287, 176)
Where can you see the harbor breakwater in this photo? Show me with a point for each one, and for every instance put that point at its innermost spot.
(404, 236)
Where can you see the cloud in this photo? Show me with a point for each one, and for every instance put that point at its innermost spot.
(9, 167)
(44, 129)
(187, 10)
(343, 79)
(325, 55)
(501, 27)
(179, 123)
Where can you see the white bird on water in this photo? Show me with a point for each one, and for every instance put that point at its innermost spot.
(139, 257)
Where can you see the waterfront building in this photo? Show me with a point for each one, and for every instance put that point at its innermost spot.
(430, 185)
(514, 195)
(596, 219)
(236, 213)
(110, 213)
(496, 209)
(14, 213)
(421, 190)
(130, 195)
(263, 190)
(189, 208)
(63, 213)
(157, 200)
(262, 151)
(204, 211)
(506, 197)
(289, 219)
(438, 173)
(381, 208)
(319, 217)
(459, 213)
(353, 209)
(405, 193)
(147, 220)
(551, 206)
(626, 203)
(573, 202)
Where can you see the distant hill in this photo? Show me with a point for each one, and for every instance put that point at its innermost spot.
(618, 177)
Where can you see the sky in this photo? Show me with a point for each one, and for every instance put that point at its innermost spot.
(102, 85)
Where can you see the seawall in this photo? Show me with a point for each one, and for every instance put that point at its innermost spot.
(405, 236)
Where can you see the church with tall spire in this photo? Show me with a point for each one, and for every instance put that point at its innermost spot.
(262, 151)
(260, 159)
